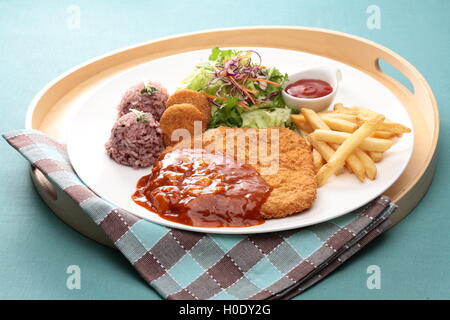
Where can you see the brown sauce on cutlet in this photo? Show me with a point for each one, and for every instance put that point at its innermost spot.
(196, 188)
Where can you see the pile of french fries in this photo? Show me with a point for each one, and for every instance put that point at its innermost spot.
(351, 138)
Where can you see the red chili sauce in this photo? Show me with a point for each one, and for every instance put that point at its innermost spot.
(193, 187)
(309, 88)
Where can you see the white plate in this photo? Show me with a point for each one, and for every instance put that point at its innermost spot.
(93, 121)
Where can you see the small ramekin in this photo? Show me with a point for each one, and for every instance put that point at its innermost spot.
(329, 74)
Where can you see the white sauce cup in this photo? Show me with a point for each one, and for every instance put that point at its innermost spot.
(329, 74)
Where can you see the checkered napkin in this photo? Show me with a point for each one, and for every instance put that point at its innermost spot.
(187, 265)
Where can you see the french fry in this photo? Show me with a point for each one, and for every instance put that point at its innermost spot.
(369, 165)
(332, 129)
(339, 107)
(389, 126)
(360, 112)
(352, 162)
(347, 148)
(317, 159)
(383, 134)
(324, 149)
(365, 111)
(369, 143)
(364, 114)
(339, 115)
(301, 123)
(376, 156)
(305, 135)
(313, 119)
(339, 124)
(298, 118)
(396, 128)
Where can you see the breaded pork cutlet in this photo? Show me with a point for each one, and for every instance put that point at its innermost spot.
(197, 99)
(293, 181)
(180, 116)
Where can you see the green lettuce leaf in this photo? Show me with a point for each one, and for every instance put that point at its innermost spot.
(228, 115)
(266, 118)
(199, 78)
(218, 56)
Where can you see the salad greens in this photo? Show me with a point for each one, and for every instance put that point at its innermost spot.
(244, 93)
(264, 118)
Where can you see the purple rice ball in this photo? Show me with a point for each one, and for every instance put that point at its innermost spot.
(148, 97)
(136, 140)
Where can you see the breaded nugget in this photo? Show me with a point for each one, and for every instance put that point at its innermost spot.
(180, 116)
(293, 183)
(195, 98)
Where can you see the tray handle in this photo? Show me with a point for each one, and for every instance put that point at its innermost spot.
(387, 69)
(421, 91)
(46, 185)
(404, 68)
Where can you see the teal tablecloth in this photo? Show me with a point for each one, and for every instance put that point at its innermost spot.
(40, 40)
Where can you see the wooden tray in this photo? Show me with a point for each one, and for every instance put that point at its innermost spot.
(53, 106)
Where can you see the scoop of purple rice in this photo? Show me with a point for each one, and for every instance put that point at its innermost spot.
(150, 97)
(136, 140)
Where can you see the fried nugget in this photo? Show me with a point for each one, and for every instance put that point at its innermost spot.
(180, 116)
(195, 98)
(294, 180)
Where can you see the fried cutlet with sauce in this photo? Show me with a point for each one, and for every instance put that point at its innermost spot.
(286, 164)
